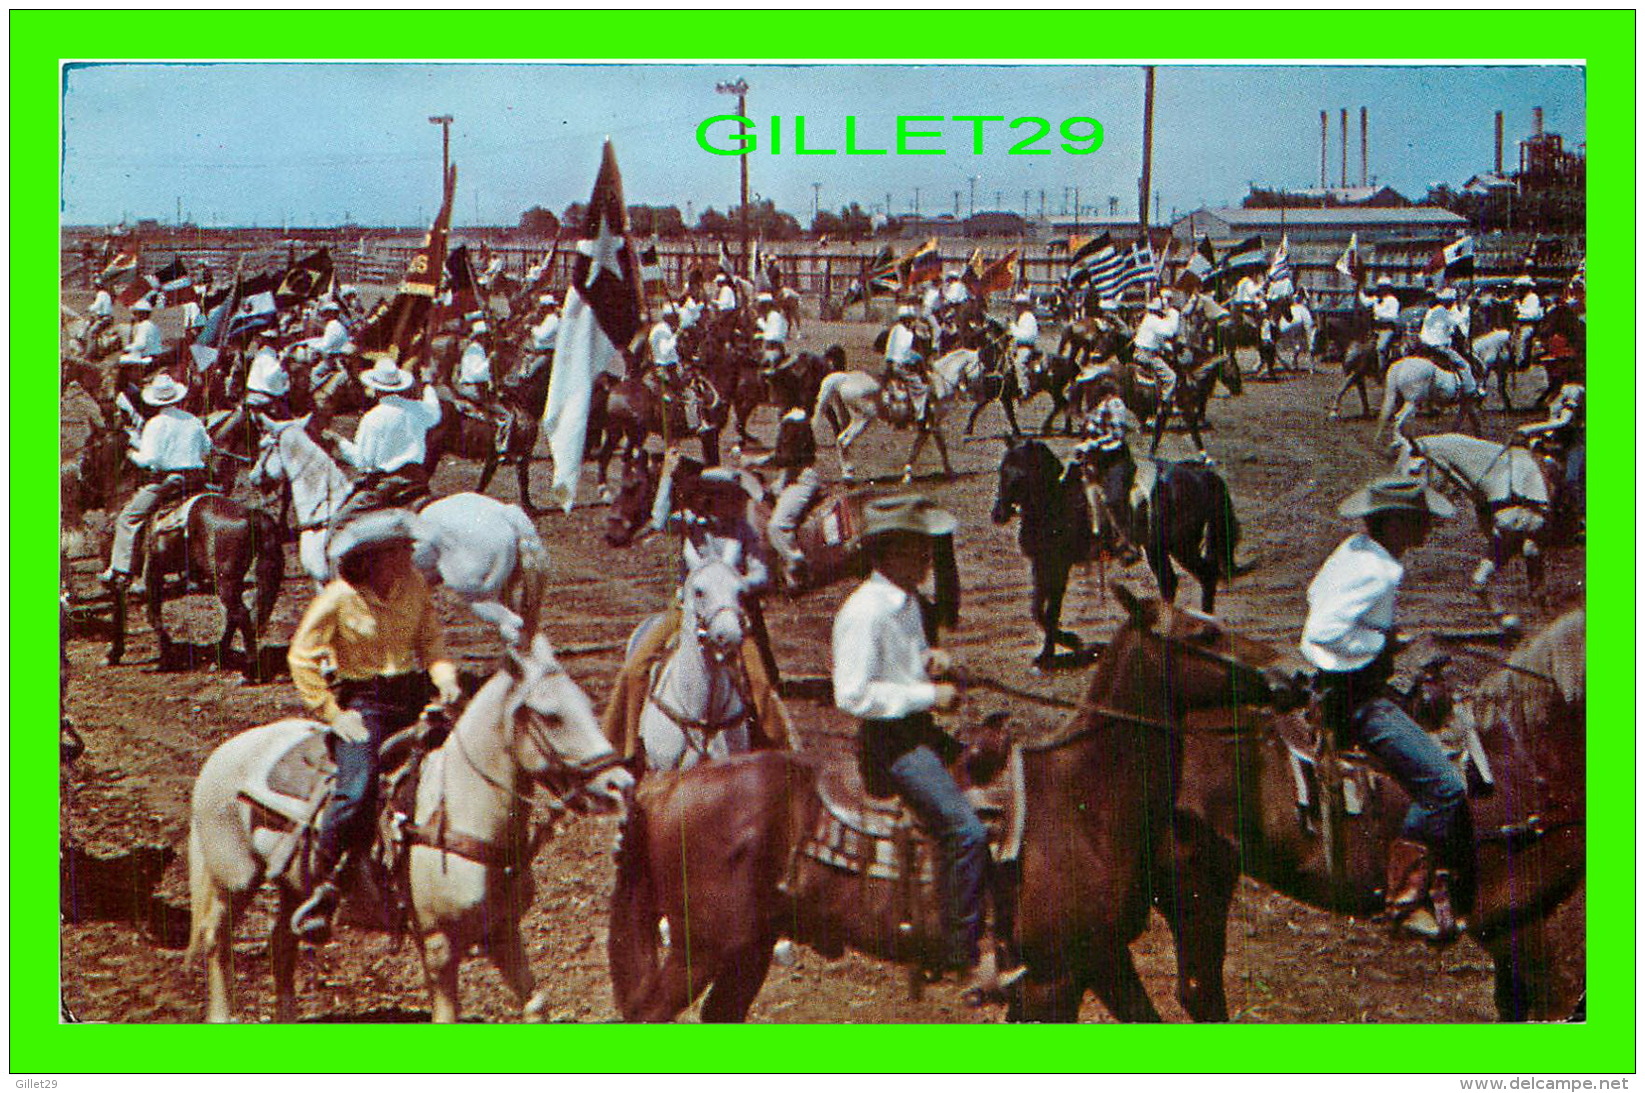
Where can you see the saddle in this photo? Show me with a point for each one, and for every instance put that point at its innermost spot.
(876, 837)
(175, 518)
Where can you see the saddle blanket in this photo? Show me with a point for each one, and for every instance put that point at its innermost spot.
(859, 833)
(287, 780)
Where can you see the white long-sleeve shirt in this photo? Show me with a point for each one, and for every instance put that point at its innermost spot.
(774, 327)
(145, 340)
(546, 334)
(266, 376)
(103, 305)
(665, 345)
(1437, 326)
(879, 654)
(1155, 330)
(1351, 605)
(727, 299)
(475, 366)
(334, 339)
(899, 345)
(172, 440)
(1529, 309)
(394, 433)
(1026, 329)
(690, 312)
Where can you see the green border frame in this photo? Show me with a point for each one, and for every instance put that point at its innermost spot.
(1603, 40)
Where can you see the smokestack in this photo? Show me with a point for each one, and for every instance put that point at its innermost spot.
(1324, 144)
(1364, 146)
(1499, 142)
(1536, 121)
(1345, 147)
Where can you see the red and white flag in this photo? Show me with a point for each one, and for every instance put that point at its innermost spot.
(601, 317)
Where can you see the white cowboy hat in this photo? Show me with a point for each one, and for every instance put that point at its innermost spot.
(386, 376)
(906, 312)
(1021, 298)
(479, 328)
(162, 390)
(762, 296)
(474, 317)
(669, 309)
(1156, 303)
(329, 305)
(1446, 295)
(1396, 493)
(143, 305)
(1385, 282)
(371, 529)
(547, 299)
(1524, 279)
(720, 277)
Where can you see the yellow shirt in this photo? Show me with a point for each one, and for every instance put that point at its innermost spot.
(363, 637)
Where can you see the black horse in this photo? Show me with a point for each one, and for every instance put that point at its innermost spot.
(1056, 531)
(1187, 515)
(795, 381)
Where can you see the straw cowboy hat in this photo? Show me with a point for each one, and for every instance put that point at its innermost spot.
(910, 512)
(386, 376)
(371, 529)
(162, 390)
(1395, 493)
(142, 305)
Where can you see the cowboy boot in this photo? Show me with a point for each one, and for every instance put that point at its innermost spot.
(1407, 900)
(312, 920)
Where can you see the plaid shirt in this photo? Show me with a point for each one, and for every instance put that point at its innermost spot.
(1107, 425)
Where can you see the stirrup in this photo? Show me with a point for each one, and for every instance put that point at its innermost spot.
(311, 921)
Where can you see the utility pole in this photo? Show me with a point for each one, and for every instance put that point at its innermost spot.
(956, 204)
(816, 201)
(916, 202)
(739, 88)
(973, 195)
(1076, 208)
(444, 122)
(1146, 186)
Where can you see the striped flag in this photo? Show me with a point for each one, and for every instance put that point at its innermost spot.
(1279, 270)
(879, 279)
(1244, 256)
(651, 272)
(1140, 267)
(922, 264)
(1098, 265)
(601, 317)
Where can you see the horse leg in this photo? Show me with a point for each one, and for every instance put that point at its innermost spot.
(1057, 1000)
(522, 470)
(1525, 988)
(153, 595)
(710, 439)
(921, 434)
(508, 953)
(970, 422)
(1055, 591)
(1115, 982)
(441, 959)
(741, 976)
(1196, 880)
(1008, 403)
(487, 470)
(1159, 560)
(282, 949)
(117, 643)
(213, 935)
(942, 449)
(236, 618)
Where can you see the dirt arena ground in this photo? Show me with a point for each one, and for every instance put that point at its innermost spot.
(147, 732)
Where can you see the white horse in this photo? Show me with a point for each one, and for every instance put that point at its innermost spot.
(697, 707)
(1512, 499)
(854, 399)
(1414, 382)
(469, 872)
(486, 551)
(1495, 354)
(1295, 341)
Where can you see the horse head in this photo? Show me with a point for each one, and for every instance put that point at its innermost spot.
(274, 459)
(1186, 660)
(712, 600)
(556, 736)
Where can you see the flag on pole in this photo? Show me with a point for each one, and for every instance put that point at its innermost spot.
(727, 266)
(1279, 270)
(999, 275)
(255, 308)
(1201, 261)
(1459, 258)
(879, 278)
(175, 282)
(1099, 265)
(922, 264)
(973, 269)
(403, 325)
(651, 273)
(220, 308)
(1348, 265)
(1244, 256)
(460, 280)
(602, 315)
(305, 279)
(1140, 266)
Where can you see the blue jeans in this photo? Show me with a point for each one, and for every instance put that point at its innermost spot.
(962, 847)
(387, 705)
(1438, 816)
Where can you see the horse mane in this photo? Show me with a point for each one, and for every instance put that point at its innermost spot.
(1546, 680)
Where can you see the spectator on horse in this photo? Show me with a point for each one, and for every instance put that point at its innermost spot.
(1384, 307)
(795, 457)
(145, 342)
(1440, 328)
(888, 676)
(267, 384)
(171, 451)
(1564, 437)
(376, 630)
(546, 333)
(905, 364)
(1528, 314)
(101, 313)
(390, 445)
(1025, 336)
(1107, 466)
(773, 330)
(725, 306)
(1350, 637)
(1155, 344)
(476, 388)
(675, 381)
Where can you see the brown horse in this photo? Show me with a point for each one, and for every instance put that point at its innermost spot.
(1142, 809)
(624, 412)
(216, 547)
(524, 393)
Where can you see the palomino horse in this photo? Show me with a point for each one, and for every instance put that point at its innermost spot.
(1135, 794)
(850, 402)
(1056, 531)
(1515, 498)
(698, 706)
(486, 552)
(530, 726)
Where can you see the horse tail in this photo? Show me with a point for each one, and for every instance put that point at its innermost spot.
(1222, 534)
(531, 573)
(1390, 401)
(632, 940)
(270, 563)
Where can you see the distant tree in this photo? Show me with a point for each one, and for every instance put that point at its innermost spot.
(664, 221)
(539, 221)
(572, 218)
(854, 223)
(716, 224)
(826, 223)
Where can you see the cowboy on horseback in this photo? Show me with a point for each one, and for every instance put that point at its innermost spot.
(390, 445)
(172, 449)
(1528, 314)
(1025, 336)
(772, 330)
(1156, 345)
(101, 314)
(905, 365)
(475, 390)
(375, 627)
(1350, 637)
(676, 381)
(267, 384)
(1384, 307)
(1441, 326)
(887, 675)
(545, 334)
(145, 342)
(795, 456)
(1108, 467)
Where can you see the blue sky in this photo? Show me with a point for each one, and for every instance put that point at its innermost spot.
(311, 144)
